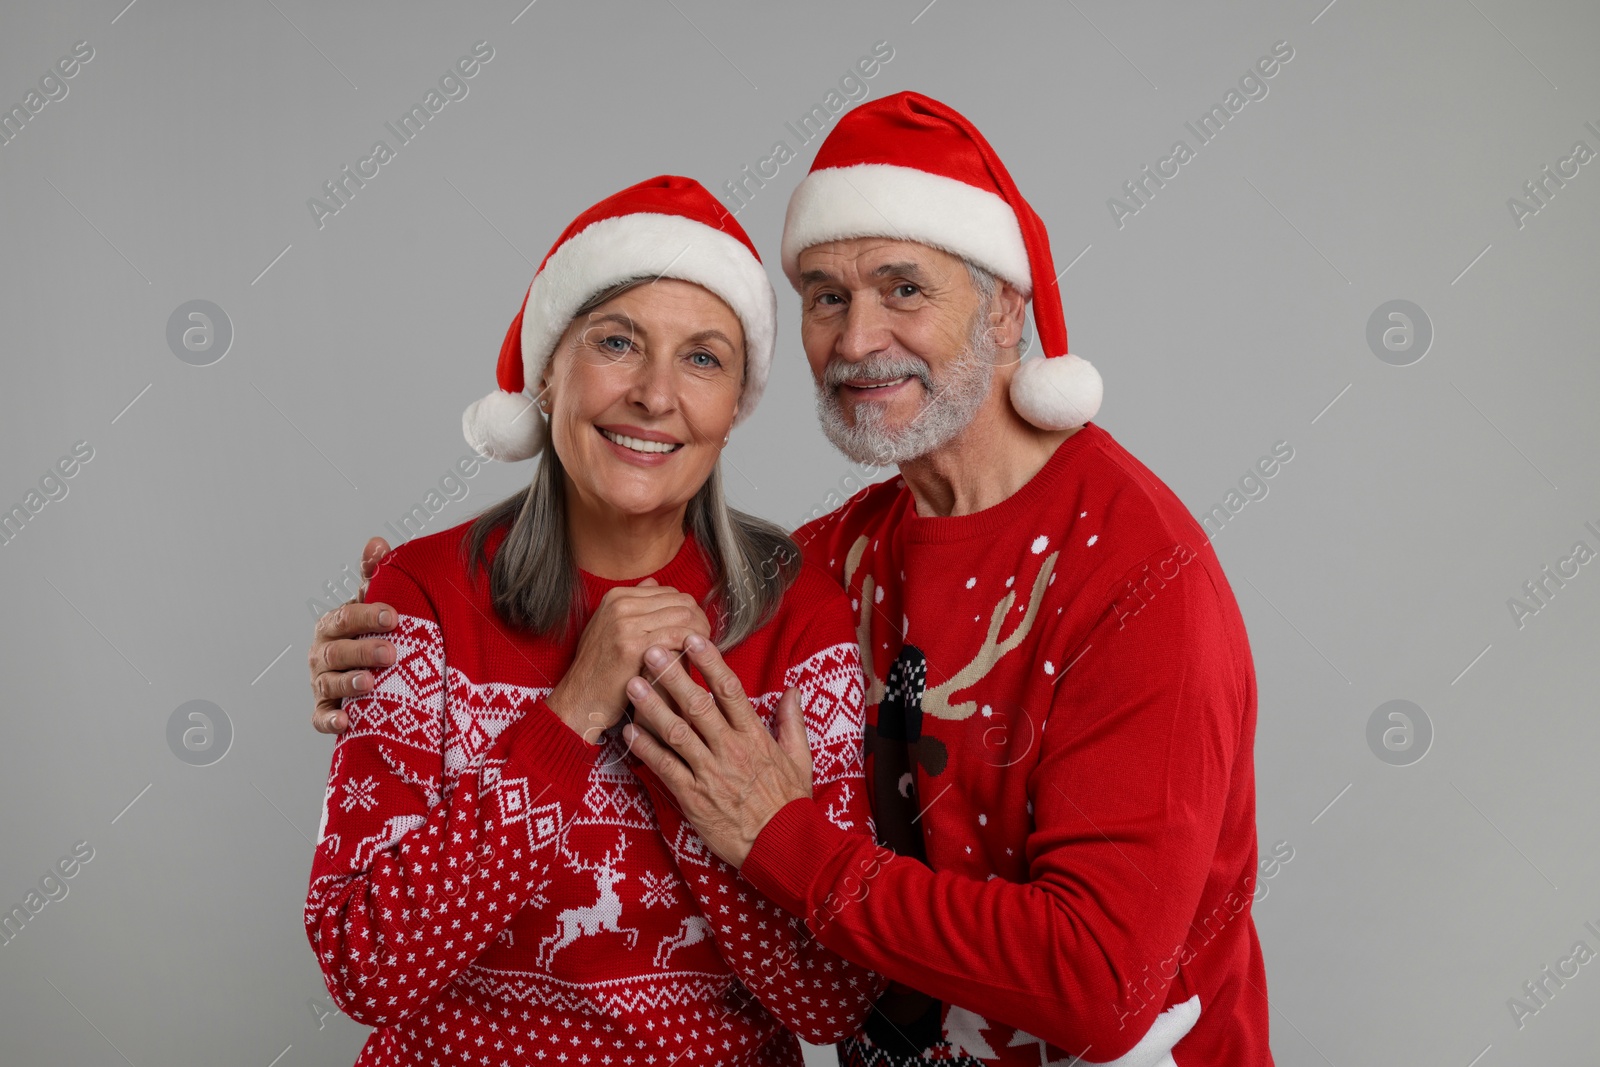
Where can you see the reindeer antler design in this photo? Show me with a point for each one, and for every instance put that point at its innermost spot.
(852, 561)
(612, 859)
(936, 701)
(399, 769)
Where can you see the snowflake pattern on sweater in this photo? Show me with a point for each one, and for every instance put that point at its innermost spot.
(488, 888)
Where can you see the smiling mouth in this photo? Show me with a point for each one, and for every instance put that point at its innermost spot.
(636, 444)
(868, 384)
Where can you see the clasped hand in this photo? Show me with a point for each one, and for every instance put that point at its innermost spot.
(728, 773)
(590, 696)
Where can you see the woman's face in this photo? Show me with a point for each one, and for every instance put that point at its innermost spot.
(642, 393)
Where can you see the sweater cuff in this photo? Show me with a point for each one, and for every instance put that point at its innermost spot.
(789, 853)
(550, 748)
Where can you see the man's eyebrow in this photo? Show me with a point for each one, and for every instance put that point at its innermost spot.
(909, 271)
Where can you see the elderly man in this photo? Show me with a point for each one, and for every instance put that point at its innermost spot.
(1061, 700)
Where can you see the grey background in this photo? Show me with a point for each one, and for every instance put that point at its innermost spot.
(1225, 316)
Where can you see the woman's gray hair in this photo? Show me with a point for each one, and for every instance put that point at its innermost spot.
(533, 579)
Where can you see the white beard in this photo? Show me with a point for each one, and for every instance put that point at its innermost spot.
(951, 405)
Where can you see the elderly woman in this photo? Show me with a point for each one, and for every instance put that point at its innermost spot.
(497, 880)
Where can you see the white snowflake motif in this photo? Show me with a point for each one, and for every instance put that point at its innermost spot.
(1040, 543)
(657, 889)
(540, 882)
(1092, 539)
(972, 582)
(360, 793)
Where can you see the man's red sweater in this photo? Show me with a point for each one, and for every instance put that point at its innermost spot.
(490, 889)
(1062, 711)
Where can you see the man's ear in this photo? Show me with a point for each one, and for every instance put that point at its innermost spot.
(1007, 315)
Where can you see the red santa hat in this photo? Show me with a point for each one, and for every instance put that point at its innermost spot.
(910, 168)
(666, 227)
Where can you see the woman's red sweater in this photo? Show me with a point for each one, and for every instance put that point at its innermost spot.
(488, 888)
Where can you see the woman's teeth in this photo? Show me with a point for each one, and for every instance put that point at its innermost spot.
(638, 445)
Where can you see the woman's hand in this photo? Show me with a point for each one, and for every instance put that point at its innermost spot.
(592, 696)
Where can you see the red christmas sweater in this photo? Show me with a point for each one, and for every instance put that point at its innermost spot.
(1061, 721)
(490, 889)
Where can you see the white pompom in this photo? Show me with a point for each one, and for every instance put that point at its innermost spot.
(1057, 393)
(503, 426)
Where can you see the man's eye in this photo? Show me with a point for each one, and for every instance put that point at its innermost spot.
(829, 299)
(905, 290)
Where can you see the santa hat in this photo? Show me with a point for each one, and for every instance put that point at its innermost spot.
(910, 168)
(666, 227)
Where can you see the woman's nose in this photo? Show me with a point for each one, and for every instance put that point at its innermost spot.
(652, 387)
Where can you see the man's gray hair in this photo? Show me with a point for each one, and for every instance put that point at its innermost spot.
(983, 281)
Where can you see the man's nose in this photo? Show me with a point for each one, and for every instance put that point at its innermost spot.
(864, 331)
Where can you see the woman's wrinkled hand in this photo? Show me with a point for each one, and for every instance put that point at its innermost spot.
(592, 696)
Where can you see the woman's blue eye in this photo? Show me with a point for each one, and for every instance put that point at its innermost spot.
(705, 359)
(622, 343)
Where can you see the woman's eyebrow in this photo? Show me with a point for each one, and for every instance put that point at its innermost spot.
(708, 335)
(621, 320)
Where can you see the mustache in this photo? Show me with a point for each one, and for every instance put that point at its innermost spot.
(897, 365)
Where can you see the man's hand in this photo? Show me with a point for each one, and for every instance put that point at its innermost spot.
(337, 660)
(729, 775)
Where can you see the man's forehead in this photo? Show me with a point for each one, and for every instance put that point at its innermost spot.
(867, 256)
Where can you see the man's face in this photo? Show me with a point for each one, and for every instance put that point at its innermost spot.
(896, 336)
